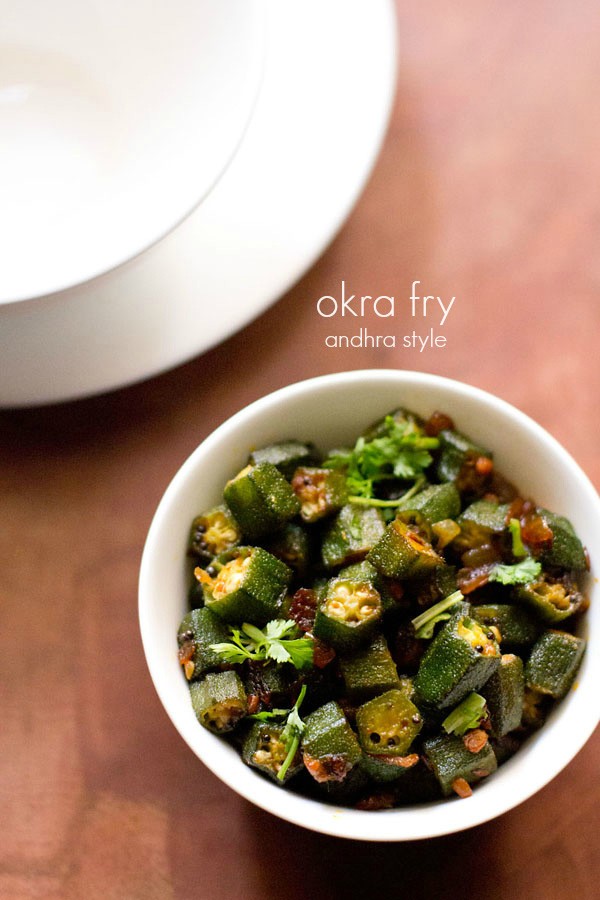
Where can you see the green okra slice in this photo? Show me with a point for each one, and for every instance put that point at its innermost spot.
(292, 546)
(388, 724)
(213, 532)
(385, 769)
(320, 492)
(550, 598)
(567, 550)
(198, 630)
(264, 749)
(348, 614)
(456, 453)
(517, 628)
(390, 591)
(553, 663)
(435, 503)
(460, 659)
(479, 523)
(504, 693)
(248, 588)
(261, 500)
(369, 671)
(219, 701)
(451, 760)
(329, 746)
(285, 456)
(352, 534)
(402, 553)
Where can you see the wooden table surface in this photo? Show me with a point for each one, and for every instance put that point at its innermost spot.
(486, 190)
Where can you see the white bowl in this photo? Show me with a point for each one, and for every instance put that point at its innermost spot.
(115, 121)
(330, 411)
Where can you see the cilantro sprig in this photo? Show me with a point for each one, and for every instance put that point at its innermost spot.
(425, 623)
(520, 573)
(274, 642)
(468, 714)
(292, 732)
(400, 450)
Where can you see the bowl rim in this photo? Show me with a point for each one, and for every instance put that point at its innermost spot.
(326, 818)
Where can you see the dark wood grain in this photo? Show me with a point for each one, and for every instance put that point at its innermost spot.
(486, 189)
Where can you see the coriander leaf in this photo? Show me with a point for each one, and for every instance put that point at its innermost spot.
(292, 732)
(278, 628)
(400, 450)
(278, 652)
(252, 643)
(232, 653)
(425, 623)
(266, 715)
(518, 548)
(521, 573)
(468, 714)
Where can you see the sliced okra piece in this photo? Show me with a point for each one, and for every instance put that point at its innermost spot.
(320, 492)
(460, 659)
(388, 724)
(213, 532)
(369, 671)
(248, 588)
(517, 628)
(480, 523)
(291, 546)
(402, 553)
(384, 769)
(198, 630)
(504, 692)
(391, 592)
(553, 663)
(459, 461)
(219, 701)
(427, 591)
(348, 614)
(567, 550)
(486, 515)
(285, 456)
(451, 760)
(260, 499)
(550, 598)
(264, 749)
(436, 502)
(329, 746)
(352, 534)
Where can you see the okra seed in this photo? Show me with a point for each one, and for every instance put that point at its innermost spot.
(210, 570)
(391, 742)
(479, 648)
(416, 719)
(200, 529)
(490, 635)
(375, 738)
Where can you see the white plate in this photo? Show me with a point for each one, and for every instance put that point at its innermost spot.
(310, 145)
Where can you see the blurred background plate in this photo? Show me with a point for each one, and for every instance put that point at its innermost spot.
(313, 138)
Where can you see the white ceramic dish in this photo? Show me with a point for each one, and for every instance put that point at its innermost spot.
(115, 120)
(312, 139)
(330, 411)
